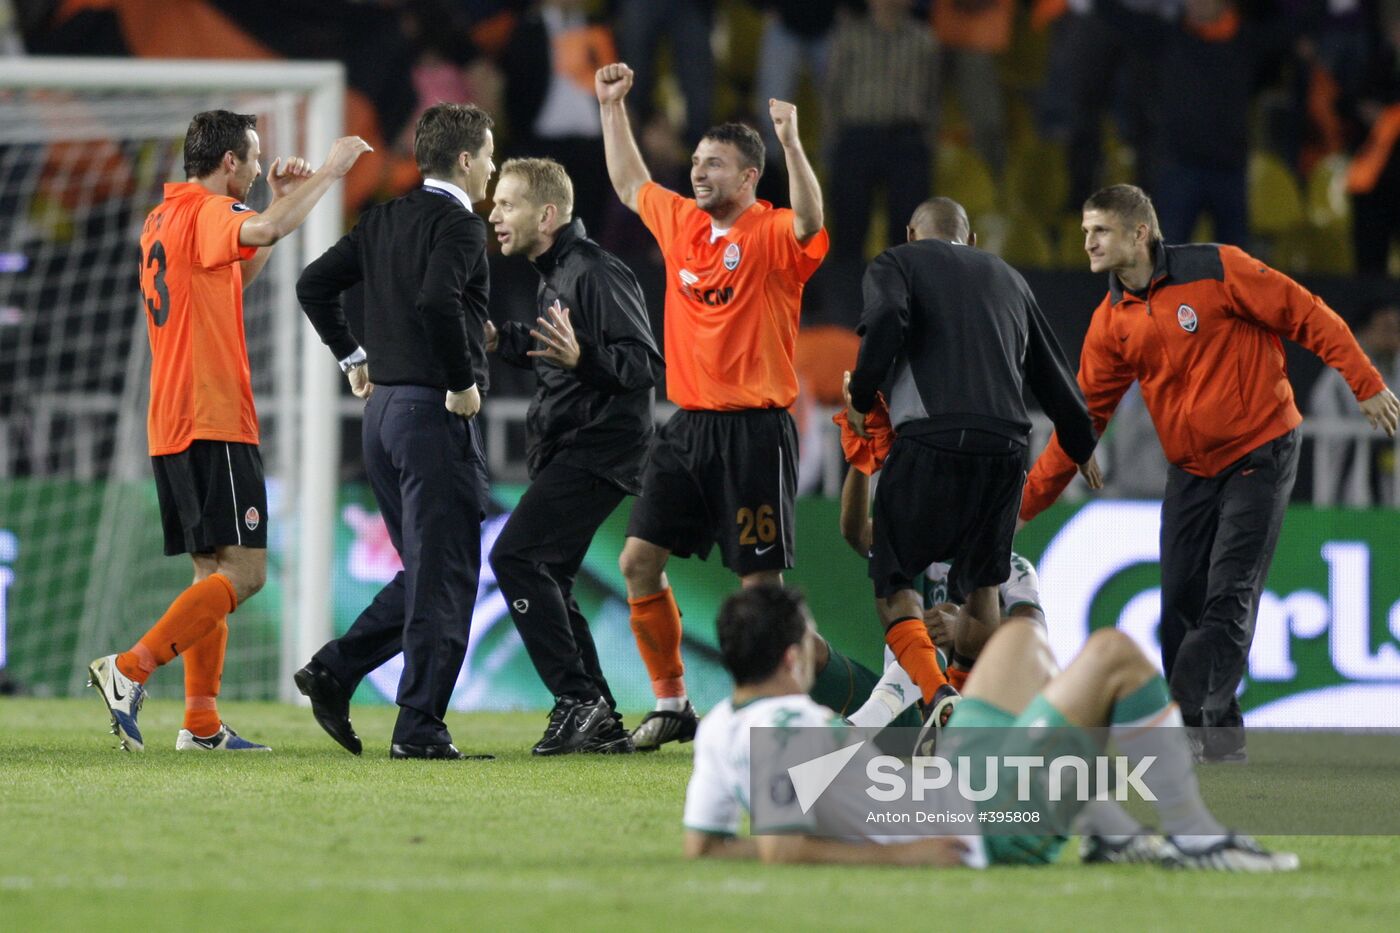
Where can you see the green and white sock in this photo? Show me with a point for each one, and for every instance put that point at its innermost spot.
(1147, 724)
(892, 694)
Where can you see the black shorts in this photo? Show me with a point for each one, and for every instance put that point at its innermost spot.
(937, 503)
(211, 495)
(726, 477)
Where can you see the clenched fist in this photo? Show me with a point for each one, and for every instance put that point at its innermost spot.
(612, 82)
(784, 117)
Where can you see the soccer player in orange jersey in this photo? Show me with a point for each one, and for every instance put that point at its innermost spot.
(723, 469)
(200, 248)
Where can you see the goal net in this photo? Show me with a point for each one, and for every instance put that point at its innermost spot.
(85, 148)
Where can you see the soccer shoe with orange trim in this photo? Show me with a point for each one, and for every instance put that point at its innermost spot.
(123, 697)
(225, 740)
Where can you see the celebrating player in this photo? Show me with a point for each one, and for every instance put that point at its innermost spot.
(588, 427)
(723, 469)
(1198, 327)
(200, 248)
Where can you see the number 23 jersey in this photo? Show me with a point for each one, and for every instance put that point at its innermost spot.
(192, 293)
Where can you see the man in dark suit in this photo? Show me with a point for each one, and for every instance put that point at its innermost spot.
(588, 429)
(422, 259)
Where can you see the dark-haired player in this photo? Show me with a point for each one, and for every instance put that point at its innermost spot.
(200, 247)
(767, 640)
(723, 470)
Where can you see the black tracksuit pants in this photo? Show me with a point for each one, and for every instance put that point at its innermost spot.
(1218, 539)
(536, 558)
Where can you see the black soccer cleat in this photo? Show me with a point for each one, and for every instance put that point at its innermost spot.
(573, 724)
(612, 739)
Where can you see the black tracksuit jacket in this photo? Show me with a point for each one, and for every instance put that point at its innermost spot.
(598, 416)
(957, 335)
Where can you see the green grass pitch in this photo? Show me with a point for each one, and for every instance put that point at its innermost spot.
(310, 838)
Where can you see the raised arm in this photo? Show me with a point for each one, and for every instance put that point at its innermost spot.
(283, 178)
(803, 189)
(286, 214)
(626, 169)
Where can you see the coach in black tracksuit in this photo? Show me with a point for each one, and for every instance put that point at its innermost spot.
(955, 333)
(587, 429)
(422, 259)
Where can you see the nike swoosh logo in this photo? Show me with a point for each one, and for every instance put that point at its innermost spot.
(116, 694)
(764, 550)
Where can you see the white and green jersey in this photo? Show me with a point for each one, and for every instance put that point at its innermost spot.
(1022, 588)
(718, 792)
(722, 783)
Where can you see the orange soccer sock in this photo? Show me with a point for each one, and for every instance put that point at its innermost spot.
(908, 639)
(957, 677)
(204, 670)
(192, 615)
(656, 623)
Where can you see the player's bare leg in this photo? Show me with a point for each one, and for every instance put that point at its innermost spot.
(978, 619)
(1112, 683)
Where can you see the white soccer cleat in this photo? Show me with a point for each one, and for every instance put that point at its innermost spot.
(123, 697)
(1233, 852)
(664, 725)
(1146, 849)
(225, 740)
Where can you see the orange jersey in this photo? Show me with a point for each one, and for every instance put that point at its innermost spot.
(192, 289)
(732, 305)
(1203, 343)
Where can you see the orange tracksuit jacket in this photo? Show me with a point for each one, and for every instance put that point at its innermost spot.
(1203, 342)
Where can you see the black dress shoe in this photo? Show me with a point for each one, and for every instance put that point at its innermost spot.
(330, 704)
(444, 750)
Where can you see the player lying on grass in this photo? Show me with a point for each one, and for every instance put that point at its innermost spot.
(767, 639)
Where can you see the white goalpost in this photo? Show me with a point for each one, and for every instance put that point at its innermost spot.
(85, 147)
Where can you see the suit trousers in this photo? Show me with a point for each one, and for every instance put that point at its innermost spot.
(428, 474)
